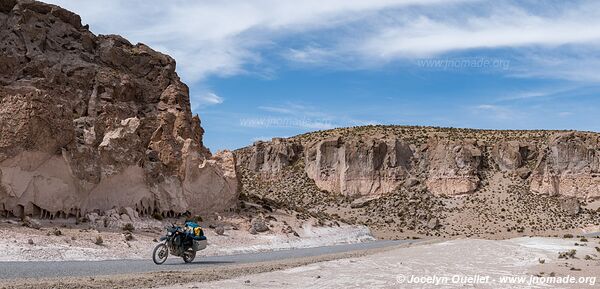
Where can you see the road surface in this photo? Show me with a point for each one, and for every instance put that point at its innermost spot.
(49, 269)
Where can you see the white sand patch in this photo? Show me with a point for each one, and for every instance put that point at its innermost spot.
(78, 245)
(236, 242)
(465, 258)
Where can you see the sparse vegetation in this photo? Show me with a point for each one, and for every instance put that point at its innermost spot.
(128, 227)
(567, 255)
(157, 216)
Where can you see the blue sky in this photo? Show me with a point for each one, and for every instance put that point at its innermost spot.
(272, 68)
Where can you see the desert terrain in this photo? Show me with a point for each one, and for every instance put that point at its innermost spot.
(100, 150)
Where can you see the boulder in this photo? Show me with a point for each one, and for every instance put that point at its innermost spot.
(31, 223)
(131, 213)
(259, 225)
(92, 217)
(571, 206)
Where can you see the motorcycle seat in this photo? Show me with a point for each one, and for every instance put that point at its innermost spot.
(199, 238)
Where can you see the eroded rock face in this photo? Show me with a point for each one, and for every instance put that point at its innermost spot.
(352, 167)
(367, 162)
(272, 156)
(93, 122)
(569, 166)
(510, 155)
(453, 167)
(358, 167)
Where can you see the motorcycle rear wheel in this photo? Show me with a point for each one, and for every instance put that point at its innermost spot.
(188, 256)
(160, 254)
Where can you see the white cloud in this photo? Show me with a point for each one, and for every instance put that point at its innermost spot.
(276, 109)
(433, 38)
(208, 98)
(310, 55)
(220, 37)
(565, 113)
(495, 111)
(226, 38)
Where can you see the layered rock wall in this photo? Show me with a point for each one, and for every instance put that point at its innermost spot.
(570, 166)
(377, 160)
(93, 122)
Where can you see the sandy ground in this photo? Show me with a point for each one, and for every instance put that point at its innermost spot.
(72, 243)
(466, 263)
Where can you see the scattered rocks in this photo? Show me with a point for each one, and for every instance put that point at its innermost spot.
(362, 202)
(287, 229)
(30, 242)
(55, 232)
(128, 236)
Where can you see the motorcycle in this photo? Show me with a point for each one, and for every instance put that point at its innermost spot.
(180, 242)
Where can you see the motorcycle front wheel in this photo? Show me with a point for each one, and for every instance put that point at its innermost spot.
(160, 254)
(188, 256)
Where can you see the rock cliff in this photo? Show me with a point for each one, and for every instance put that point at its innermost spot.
(93, 123)
(373, 161)
(407, 181)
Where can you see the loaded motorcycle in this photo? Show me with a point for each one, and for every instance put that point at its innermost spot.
(182, 242)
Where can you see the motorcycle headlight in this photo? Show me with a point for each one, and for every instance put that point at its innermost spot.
(169, 233)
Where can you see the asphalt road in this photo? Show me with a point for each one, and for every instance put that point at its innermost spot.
(48, 269)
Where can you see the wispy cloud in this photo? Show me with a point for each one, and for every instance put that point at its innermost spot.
(228, 38)
(206, 99)
(495, 111)
(497, 26)
(220, 38)
(276, 109)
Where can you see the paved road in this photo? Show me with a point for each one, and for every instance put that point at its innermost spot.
(10, 270)
(592, 235)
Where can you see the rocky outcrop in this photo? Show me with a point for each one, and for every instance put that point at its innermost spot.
(350, 167)
(273, 156)
(510, 155)
(453, 167)
(569, 166)
(373, 161)
(93, 122)
(358, 167)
